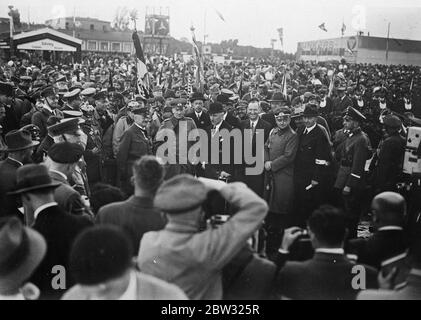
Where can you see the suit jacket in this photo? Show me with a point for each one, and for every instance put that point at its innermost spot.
(313, 157)
(147, 288)
(42, 149)
(269, 118)
(135, 216)
(324, 277)
(232, 120)
(389, 163)
(381, 246)
(133, 145)
(412, 290)
(39, 118)
(254, 182)
(9, 204)
(212, 170)
(59, 230)
(68, 199)
(340, 105)
(201, 123)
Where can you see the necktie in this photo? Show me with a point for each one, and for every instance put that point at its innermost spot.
(253, 128)
(305, 131)
(213, 130)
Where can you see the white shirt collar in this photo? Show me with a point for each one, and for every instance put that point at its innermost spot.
(225, 115)
(20, 163)
(217, 126)
(198, 115)
(43, 207)
(311, 128)
(61, 174)
(388, 228)
(131, 291)
(330, 250)
(254, 122)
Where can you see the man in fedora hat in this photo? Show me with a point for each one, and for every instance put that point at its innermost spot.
(350, 182)
(36, 190)
(312, 163)
(199, 116)
(21, 251)
(20, 148)
(228, 116)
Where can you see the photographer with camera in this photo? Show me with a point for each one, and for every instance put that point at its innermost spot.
(329, 274)
(186, 254)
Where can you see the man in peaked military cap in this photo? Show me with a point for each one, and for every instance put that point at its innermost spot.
(387, 162)
(69, 130)
(61, 161)
(134, 144)
(180, 125)
(72, 99)
(49, 108)
(353, 156)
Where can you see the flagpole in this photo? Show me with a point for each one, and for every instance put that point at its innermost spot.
(74, 21)
(387, 43)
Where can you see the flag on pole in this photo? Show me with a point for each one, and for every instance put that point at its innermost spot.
(343, 29)
(199, 73)
(412, 84)
(284, 87)
(281, 36)
(220, 15)
(323, 27)
(331, 85)
(142, 71)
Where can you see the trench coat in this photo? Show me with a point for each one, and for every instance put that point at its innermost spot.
(281, 148)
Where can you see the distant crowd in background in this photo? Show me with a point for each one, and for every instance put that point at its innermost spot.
(85, 191)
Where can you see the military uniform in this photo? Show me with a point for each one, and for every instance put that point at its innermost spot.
(182, 163)
(355, 151)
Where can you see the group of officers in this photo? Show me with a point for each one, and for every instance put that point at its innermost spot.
(315, 147)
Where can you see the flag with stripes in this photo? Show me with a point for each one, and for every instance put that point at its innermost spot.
(142, 71)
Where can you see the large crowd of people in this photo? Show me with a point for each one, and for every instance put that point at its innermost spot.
(98, 182)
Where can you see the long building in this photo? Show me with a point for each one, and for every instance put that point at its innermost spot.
(362, 49)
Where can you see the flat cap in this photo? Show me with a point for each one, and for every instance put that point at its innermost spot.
(192, 192)
(68, 114)
(65, 152)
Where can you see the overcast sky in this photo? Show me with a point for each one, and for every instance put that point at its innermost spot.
(252, 22)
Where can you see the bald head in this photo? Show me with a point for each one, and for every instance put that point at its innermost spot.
(389, 208)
